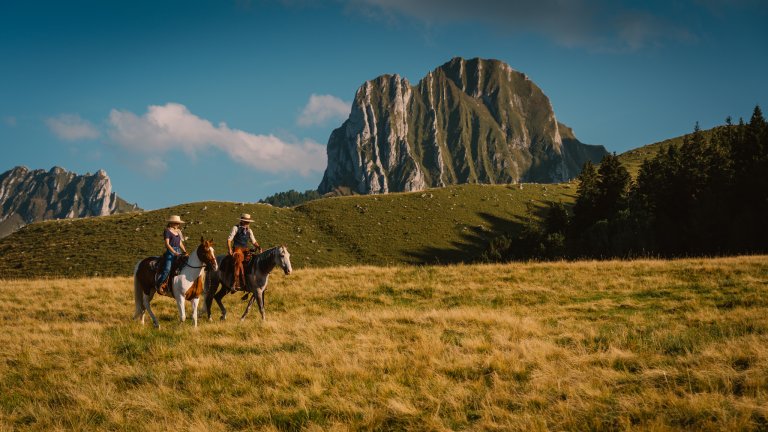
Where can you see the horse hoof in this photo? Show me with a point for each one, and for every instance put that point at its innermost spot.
(223, 318)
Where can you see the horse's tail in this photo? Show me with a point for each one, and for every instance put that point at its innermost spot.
(138, 293)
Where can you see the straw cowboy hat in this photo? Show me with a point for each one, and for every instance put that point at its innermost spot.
(175, 219)
(245, 217)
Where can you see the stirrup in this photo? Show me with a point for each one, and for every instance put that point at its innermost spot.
(162, 288)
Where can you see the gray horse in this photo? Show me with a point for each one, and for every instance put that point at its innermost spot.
(256, 278)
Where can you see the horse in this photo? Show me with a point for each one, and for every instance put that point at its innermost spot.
(188, 285)
(257, 272)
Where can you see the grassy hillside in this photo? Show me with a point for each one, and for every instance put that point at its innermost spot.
(643, 345)
(634, 158)
(451, 224)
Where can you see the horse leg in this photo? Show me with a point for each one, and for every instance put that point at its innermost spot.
(220, 295)
(211, 285)
(195, 301)
(248, 308)
(210, 290)
(147, 299)
(180, 304)
(260, 300)
(207, 305)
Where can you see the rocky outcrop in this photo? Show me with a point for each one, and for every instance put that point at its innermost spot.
(468, 121)
(28, 196)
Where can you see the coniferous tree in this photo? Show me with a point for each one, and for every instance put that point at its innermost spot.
(715, 205)
(756, 180)
(556, 219)
(612, 186)
(290, 198)
(585, 209)
(602, 196)
(693, 190)
(708, 195)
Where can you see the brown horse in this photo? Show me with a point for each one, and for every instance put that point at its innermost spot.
(188, 285)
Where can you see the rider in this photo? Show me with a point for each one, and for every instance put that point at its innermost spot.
(174, 245)
(237, 244)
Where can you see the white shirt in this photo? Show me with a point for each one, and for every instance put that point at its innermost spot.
(234, 231)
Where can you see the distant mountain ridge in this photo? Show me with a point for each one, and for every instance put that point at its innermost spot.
(468, 121)
(28, 196)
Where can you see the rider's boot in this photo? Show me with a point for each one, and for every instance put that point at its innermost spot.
(163, 286)
(238, 283)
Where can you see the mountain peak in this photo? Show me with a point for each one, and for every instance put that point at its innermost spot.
(29, 196)
(467, 121)
(21, 169)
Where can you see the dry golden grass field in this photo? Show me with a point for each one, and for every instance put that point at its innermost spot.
(641, 345)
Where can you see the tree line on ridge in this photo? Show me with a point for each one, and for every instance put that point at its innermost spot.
(704, 197)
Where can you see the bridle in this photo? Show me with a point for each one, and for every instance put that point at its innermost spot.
(203, 260)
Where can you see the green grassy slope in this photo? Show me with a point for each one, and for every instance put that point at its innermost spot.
(634, 158)
(452, 224)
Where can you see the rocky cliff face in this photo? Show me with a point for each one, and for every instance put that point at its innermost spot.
(468, 121)
(28, 196)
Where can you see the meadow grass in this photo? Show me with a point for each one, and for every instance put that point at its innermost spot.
(640, 345)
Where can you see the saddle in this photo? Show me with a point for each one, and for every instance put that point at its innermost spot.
(177, 264)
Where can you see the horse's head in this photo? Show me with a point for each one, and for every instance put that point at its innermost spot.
(206, 253)
(283, 259)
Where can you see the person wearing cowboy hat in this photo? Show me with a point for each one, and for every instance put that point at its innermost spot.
(174, 245)
(237, 242)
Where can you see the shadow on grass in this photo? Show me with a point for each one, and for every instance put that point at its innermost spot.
(475, 240)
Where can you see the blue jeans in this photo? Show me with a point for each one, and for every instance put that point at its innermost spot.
(168, 261)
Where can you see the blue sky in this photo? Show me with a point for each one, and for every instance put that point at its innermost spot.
(195, 100)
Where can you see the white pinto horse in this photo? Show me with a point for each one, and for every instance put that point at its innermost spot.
(188, 285)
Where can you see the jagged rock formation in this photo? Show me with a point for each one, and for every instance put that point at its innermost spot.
(468, 121)
(28, 196)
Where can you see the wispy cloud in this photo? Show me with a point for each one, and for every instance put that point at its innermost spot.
(321, 109)
(172, 126)
(10, 121)
(592, 24)
(71, 127)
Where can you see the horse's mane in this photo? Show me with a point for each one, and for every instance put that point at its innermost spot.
(257, 260)
(264, 254)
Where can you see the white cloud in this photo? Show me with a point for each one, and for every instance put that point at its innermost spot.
(71, 127)
(154, 166)
(323, 108)
(172, 126)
